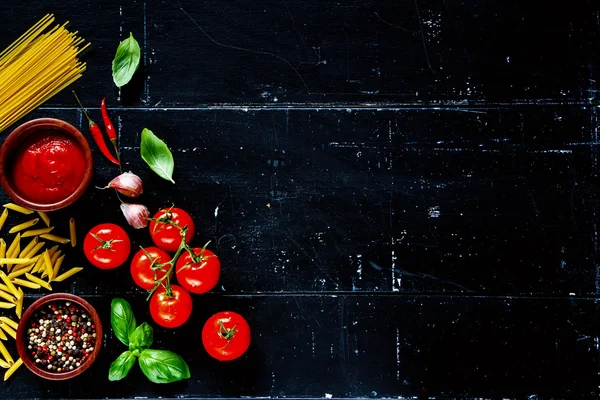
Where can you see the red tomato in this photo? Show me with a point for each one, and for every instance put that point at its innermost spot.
(141, 270)
(106, 246)
(198, 277)
(167, 236)
(171, 312)
(226, 336)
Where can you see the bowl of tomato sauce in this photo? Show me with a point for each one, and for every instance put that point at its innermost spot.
(45, 164)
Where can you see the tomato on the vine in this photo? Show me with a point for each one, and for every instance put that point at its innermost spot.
(200, 276)
(142, 263)
(226, 336)
(171, 312)
(106, 246)
(165, 234)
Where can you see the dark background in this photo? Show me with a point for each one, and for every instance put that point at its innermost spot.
(403, 193)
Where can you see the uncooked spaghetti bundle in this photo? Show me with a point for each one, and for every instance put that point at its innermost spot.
(39, 64)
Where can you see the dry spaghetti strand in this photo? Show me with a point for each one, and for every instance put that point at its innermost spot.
(36, 66)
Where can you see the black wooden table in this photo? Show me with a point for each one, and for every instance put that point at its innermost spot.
(403, 193)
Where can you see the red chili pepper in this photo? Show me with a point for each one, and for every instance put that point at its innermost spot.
(110, 128)
(97, 135)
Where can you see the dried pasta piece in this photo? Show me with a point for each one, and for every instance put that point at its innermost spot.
(67, 274)
(9, 284)
(18, 272)
(4, 364)
(2, 248)
(38, 264)
(6, 305)
(55, 256)
(23, 282)
(8, 297)
(16, 261)
(6, 328)
(54, 238)
(39, 281)
(35, 250)
(3, 336)
(18, 208)
(19, 309)
(57, 265)
(5, 353)
(44, 218)
(3, 217)
(35, 232)
(12, 369)
(47, 264)
(24, 225)
(5, 288)
(29, 247)
(10, 322)
(13, 245)
(72, 232)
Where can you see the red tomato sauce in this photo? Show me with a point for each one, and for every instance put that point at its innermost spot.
(48, 167)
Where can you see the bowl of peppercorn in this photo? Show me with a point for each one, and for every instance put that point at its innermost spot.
(59, 336)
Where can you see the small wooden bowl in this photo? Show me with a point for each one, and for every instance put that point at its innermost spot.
(24, 324)
(12, 144)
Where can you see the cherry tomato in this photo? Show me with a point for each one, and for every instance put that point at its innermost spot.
(141, 270)
(167, 236)
(198, 277)
(226, 336)
(171, 312)
(106, 246)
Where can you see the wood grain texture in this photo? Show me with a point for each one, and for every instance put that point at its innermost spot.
(403, 194)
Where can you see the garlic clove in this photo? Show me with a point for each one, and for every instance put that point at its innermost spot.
(136, 215)
(128, 184)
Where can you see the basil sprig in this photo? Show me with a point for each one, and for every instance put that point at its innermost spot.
(157, 155)
(159, 366)
(126, 61)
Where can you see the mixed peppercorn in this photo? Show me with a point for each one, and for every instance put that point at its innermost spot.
(61, 337)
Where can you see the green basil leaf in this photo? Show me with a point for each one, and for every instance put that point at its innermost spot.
(142, 337)
(122, 319)
(163, 366)
(121, 366)
(157, 155)
(126, 62)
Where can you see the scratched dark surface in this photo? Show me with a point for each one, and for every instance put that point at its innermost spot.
(403, 194)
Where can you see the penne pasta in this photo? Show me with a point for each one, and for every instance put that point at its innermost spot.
(55, 256)
(17, 208)
(13, 245)
(28, 248)
(57, 265)
(35, 250)
(38, 264)
(39, 281)
(6, 305)
(4, 288)
(4, 364)
(9, 284)
(44, 218)
(35, 232)
(3, 336)
(16, 261)
(5, 353)
(22, 282)
(54, 238)
(2, 248)
(67, 274)
(8, 297)
(52, 250)
(24, 225)
(3, 217)
(10, 322)
(47, 264)
(19, 272)
(12, 369)
(8, 330)
(19, 309)
(72, 232)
